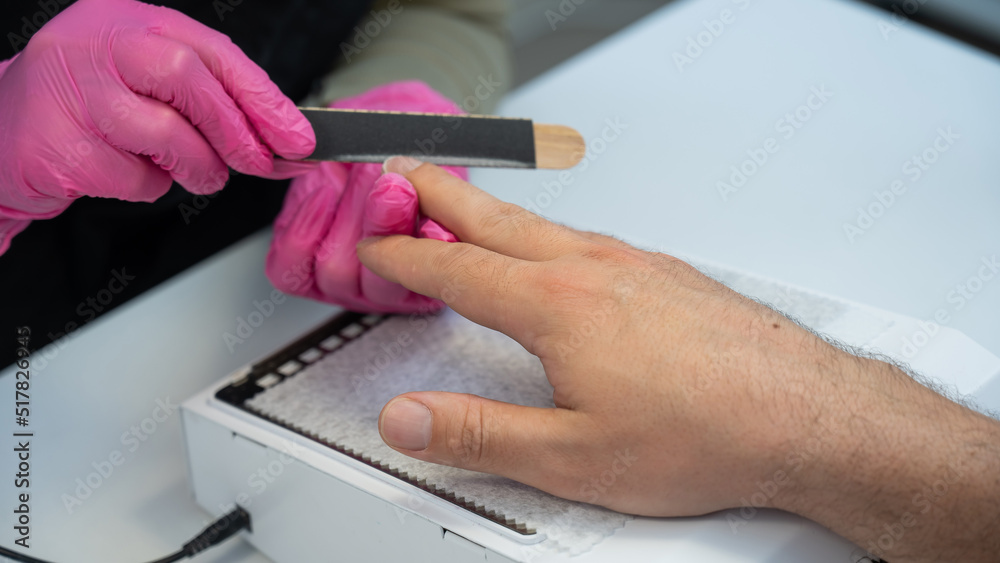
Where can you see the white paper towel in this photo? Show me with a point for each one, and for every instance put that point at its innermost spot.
(339, 399)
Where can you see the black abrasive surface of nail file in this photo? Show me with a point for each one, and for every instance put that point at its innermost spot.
(368, 136)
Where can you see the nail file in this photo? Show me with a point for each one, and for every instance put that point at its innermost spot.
(457, 140)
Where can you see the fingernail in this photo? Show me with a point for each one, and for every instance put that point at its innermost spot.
(368, 241)
(400, 164)
(391, 191)
(432, 229)
(406, 425)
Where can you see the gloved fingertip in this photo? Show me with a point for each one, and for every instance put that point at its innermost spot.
(431, 229)
(203, 185)
(391, 206)
(216, 181)
(276, 270)
(264, 160)
(291, 135)
(458, 172)
(285, 169)
(258, 162)
(392, 189)
(296, 143)
(304, 140)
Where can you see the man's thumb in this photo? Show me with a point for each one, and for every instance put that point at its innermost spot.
(479, 434)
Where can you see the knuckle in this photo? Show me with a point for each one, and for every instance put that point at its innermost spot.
(234, 61)
(465, 264)
(467, 441)
(180, 61)
(566, 285)
(615, 256)
(604, 239)
(675, 270)
(498, 272)
(454, 272)
(454, 262)
(45, 38)
(592, 275)
(503, 217)
(220, 42)
(474, 440)
(159, 121)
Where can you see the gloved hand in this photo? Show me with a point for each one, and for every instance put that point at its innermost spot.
(329, 210)
(117, 98)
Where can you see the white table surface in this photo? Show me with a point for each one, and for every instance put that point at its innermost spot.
(654, 185)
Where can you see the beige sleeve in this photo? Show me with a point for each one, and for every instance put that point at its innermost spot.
(455, 46)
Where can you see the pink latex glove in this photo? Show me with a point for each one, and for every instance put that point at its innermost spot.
(329, 210)
(116, 98)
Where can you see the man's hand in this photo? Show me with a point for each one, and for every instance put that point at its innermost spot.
(698, 398)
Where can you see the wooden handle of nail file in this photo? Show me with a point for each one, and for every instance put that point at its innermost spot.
(456, 140)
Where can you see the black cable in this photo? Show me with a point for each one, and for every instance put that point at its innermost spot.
(216, 533)
(170, 559)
